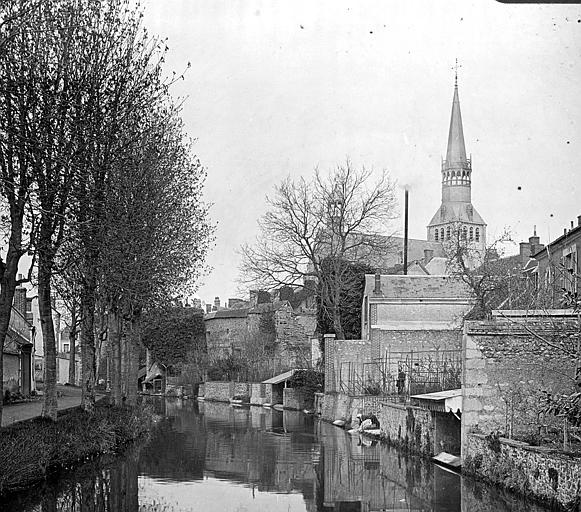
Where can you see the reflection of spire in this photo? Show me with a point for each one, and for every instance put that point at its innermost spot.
(456, 153)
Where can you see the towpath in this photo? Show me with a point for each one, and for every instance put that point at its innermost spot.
(68, 397)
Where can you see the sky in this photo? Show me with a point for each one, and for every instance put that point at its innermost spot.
(279, 87)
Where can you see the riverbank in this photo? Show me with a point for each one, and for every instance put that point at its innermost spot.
(32, 450)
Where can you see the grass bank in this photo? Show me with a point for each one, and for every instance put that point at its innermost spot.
(32, 450)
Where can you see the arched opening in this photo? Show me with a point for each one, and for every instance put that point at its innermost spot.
(436, 234)
(448, 233)
(442, 234)
(477, 235)
(471, 234)
(464, 232)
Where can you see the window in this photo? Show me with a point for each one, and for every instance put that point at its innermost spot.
(448, 233)
(471, 234)
(477, 235)
(464, 232)
(66, 347)
(442, 234)
(436, 233)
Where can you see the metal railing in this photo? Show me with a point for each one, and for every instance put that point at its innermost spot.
(399, 375)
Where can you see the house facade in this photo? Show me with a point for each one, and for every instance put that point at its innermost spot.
(558, 264)
(18, 350)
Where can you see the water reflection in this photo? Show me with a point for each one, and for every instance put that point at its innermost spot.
(217, 457)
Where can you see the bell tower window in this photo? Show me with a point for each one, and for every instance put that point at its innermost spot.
(436, 232)
(448, 233)
(477, 235)
(471, 234)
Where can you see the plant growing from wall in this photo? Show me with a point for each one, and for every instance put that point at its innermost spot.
(309, 382)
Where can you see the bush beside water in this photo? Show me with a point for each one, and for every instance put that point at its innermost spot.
(32, 450)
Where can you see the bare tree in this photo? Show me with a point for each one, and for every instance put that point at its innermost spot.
(17, 98)
(340, 218)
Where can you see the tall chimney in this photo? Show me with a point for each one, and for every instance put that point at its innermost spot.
(377, 287)
(405, 234)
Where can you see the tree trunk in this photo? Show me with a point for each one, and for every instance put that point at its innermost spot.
(133, 360)
(49, 409)
(88, 345)
(73, 346)
(115, 341)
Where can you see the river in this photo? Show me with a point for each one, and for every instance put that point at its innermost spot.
(213, 457)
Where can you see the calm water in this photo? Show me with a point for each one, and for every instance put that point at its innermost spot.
(214, 457)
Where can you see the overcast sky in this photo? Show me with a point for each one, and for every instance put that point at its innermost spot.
(280, 87)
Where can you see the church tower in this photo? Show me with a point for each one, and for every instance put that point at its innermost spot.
(456, 215)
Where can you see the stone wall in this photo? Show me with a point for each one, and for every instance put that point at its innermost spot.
(421, 340)
(294, 399)
(337, 406)
(293, 336)
(63, 370)
(345, 361)
(260, 394)
(506, 369)
(11, 377)
(411, 428)
(224, 391)
(548, 475)
(224, 334)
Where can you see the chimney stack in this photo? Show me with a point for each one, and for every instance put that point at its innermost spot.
(377, 288)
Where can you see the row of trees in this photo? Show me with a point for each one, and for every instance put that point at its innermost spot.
(97, 179)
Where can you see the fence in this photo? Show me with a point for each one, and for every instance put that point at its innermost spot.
(402, 374)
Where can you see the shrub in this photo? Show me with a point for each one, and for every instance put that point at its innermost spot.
(31, 450)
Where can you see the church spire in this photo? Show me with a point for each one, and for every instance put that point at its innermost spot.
(456, 153)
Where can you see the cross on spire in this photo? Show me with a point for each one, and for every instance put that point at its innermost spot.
(455, 68)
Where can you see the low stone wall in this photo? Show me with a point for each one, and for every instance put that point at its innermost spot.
(548, 475)
(224, 391)
(411, 428)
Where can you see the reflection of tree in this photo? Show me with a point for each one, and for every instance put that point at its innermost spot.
(108, 484)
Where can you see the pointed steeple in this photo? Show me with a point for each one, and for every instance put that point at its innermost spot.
(456, 153)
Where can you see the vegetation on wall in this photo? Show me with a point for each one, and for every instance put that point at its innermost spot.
(350, 298)
(173, 334)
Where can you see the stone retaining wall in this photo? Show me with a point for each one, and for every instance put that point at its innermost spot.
(411, 428)
(294, 399)
(548, 475)
(260, 394)
(224, 391)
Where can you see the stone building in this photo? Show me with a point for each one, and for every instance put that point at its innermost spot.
(288, 330)
(225, 331)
